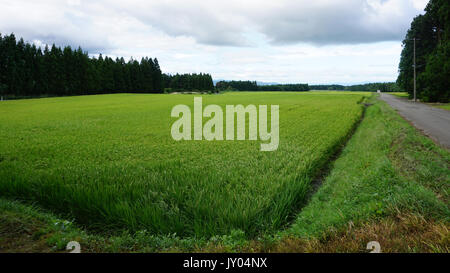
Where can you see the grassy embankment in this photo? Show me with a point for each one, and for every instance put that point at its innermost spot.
(390, 184)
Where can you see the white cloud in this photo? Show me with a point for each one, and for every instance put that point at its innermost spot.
(281, 21)
(286, 41)
(419, 4)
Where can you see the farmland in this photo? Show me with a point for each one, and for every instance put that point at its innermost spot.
(110, 163)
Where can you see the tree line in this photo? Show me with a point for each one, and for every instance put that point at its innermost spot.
(237, 86)
(432, 54)
(253, 86)
(327, 87)
(30, 71)
(370, 87)
(187, 82)
(27, 70)
(284, 87)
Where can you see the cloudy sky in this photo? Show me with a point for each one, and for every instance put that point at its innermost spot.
(286, 41)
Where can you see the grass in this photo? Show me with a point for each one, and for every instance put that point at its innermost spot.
(25, 228)
(389, 184)
(399, 94)
(28, 229)
(386, 166)
(445, 106)
(109, 161)
(402, 233)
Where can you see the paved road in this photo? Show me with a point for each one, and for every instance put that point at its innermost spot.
(434, 122)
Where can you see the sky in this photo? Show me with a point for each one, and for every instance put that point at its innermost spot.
(284, 41)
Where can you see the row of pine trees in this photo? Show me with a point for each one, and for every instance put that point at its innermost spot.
(30, 71)
(188, 82)
(237, 85)
(27, 70)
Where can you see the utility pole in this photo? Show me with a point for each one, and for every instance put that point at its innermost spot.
(415, 99)
(414, 65)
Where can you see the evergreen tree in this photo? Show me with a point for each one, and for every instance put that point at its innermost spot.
(433, 30)
(187, 82)
(26, 70)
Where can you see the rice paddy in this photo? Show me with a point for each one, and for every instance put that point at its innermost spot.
(109, 161)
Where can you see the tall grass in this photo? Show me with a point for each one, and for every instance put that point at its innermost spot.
(109, 161)
(387, 167)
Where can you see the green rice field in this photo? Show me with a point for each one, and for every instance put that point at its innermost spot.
(109, 161)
